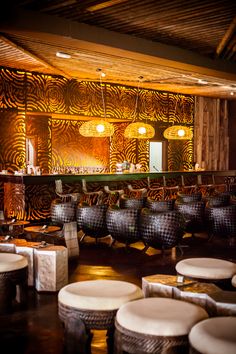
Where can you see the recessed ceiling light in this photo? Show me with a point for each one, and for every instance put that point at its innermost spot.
(204, 82)
(231, 93)
(63, 55)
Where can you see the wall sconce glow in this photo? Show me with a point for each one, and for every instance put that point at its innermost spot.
(63, 55)
(178, 132)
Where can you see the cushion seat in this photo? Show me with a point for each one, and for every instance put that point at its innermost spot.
(99, 294)
(206, 268)
(160, 316)
(155, 325)
(11, 261)
(92, 304)
(214, 336)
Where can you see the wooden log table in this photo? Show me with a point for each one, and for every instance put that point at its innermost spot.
(216, 302)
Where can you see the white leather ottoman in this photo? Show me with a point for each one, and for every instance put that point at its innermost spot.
(206, 268)
(216, 335)
(51, 268)
(155, 325)
(92, 304)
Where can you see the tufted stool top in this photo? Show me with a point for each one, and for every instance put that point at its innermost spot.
(233, 281)
(12, 261)
(215, 335)
(206, 268)
(99, 294)
(160, 316)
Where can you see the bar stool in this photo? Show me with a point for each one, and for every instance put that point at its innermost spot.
(90, 305)
(13, 273)
(113, 195)
(63, 211)
(90, 197)
(123, 225)
(91, 219)
(129, 202)
(214, 336)
(161, 230)
(65, 196)
(155, 325)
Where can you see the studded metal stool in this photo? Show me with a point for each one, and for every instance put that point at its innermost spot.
(90, 305)
(155, 325)
(13, 272)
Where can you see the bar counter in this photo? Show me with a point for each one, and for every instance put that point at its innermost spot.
(28, 197)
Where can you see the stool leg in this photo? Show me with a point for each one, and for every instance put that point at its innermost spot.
(76, 337)
(7, 294)
(110, 340)
(117, 342)
(22, 293)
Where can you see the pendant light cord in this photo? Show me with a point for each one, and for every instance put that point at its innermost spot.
(103, 99)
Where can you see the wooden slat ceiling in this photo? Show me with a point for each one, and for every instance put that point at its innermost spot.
(171, 44)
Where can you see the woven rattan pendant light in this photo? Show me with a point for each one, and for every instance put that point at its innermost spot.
(139, 130)
(98, 128)
(178, 132)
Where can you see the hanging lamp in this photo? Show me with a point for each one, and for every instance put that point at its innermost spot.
(178, 132)
(139, 130)
(98, 128)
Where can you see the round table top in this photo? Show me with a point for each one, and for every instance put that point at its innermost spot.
(14, 223)
(39, 228)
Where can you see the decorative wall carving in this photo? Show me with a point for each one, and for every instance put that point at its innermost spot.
(36, 93)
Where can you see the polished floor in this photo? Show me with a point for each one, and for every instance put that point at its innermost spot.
(38, 329)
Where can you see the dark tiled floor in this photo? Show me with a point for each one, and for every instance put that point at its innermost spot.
(38, 329)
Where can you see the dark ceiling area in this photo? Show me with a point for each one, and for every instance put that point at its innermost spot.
(178, 46)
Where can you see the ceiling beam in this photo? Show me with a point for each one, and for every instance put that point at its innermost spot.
(31, 55)
(107, 42)
(226, 38)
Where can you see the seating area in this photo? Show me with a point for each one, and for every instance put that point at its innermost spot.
(139, 299)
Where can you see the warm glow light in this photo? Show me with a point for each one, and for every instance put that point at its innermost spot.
(63, 55)
(97, 128)
(178, 132)
(139, 130)
(142, 130)
(100, 128)
(181, 132)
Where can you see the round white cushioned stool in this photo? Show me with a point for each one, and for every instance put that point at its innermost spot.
(92, 304)
(13, 272)
(206, 268)
(155, 325)
(233, 281)
(216, 335)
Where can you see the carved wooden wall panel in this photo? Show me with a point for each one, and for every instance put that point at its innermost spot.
(211, 136)
(14, 200)
(31, 92)
(69, 148)
(40, 128)
(179, 155)
(12, 89)
(12, 138)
